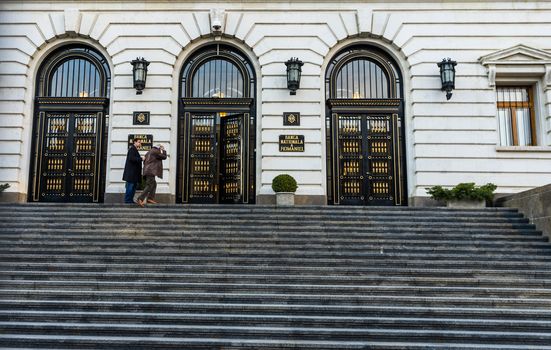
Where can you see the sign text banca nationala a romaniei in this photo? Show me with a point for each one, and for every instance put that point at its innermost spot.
(147, 141)
(291, 143)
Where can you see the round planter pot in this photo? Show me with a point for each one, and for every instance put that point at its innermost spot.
(285, 198)
(466, 203)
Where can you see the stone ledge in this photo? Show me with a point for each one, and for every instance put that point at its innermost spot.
(164, 198)
(299, 199)
(523, 149)
(13, 197)
(535, 204)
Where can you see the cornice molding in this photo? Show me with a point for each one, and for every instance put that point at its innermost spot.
(521, 58)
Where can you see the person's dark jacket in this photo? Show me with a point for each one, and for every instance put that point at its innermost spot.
(153, 162)
(133, 166)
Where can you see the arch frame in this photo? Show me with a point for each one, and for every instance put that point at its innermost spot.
(333, 71)
(183, 60)
(396, 55)
(38, 58)
(52, 63)
(33, 97)
(194, 63)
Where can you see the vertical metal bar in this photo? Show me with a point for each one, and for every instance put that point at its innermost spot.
(78, 77)
(97, 158)
(373, 79)
(396, 160)
(362, 81)
(232, 69)
(88, 71)
(65, 79)
(39, 151)
(185, 150)
(73, 78)
(336, 166)
(93, 83)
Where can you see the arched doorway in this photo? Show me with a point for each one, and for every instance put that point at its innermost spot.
(216, 128)
(365, 128)
(69, 128)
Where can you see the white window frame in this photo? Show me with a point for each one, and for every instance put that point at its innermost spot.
(524, 66)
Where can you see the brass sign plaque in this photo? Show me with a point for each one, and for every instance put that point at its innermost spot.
(147, 141)
(141, 118)
(291, 143)
(291, 118)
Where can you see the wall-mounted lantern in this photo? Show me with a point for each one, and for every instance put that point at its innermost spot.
(139, 74)
(447, 76)
(294, 71)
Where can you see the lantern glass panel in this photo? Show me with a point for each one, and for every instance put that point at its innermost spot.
(139, 73)
(293, 74)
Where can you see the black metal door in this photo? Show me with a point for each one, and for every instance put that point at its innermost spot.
(231, 156)
(365, 158)
(68, 156)
(203, 153)
(216, 157)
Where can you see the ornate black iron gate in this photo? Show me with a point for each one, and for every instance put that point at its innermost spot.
(69, 148)
(216, 156)
(365, 153)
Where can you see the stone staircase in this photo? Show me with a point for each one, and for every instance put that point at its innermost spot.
(260, 277)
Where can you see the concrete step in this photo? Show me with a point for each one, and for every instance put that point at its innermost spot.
(460, 253)
(270, 218)
(386, 310)
(262, 277)
(376, 290)
(281, 333)
(290, 296)
(151, 224)
(214, 235)
(264, 320)
(389, 246)
(336, 259)
(251, 284)
(292, 266)
(19, 271)
(146, 343)
(259, 275)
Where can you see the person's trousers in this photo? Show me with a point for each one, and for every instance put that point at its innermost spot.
(130, 192)
(150, 188)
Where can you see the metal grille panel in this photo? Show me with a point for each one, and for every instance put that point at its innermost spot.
(365, 160)
(218, 78)
(203, 172)
(69, 157)
(232, 154)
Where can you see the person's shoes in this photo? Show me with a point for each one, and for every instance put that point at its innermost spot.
(151, 201)
(140, 203)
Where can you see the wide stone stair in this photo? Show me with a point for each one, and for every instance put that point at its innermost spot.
(261, 277)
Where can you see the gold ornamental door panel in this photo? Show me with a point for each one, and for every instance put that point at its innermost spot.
(203, 154)
(67, 159)
(215, 151)
(231, 184)
(366, 163)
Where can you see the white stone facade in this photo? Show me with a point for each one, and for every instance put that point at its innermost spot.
(447, 142)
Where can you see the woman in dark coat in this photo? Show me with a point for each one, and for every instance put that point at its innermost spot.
(132, 171)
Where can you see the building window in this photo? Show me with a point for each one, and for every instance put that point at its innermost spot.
(515, 111)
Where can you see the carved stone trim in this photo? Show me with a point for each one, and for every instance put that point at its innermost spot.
(73, 100)
(521, 58)
(353, 105)
(72, 103)
(217, 101)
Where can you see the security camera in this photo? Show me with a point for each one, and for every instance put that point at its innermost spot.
(216, 25)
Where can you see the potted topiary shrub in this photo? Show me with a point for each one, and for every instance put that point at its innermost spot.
(284, 186)
(464, 195)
